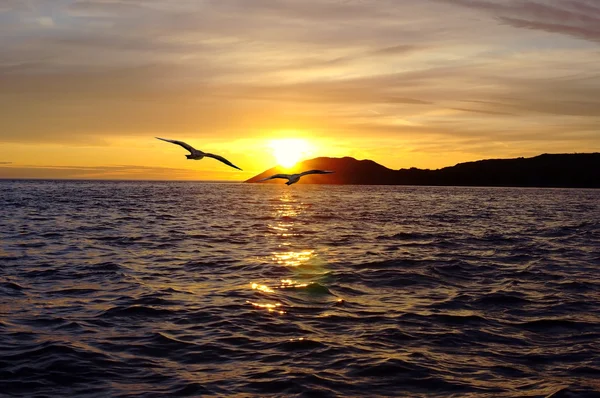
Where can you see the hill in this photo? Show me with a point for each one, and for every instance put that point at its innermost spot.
(548, 170)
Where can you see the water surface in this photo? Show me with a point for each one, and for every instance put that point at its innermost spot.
(177, 288)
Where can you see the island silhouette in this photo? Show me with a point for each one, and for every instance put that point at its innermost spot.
(578, 170)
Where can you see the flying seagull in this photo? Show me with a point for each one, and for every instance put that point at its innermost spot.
(294, 178)
(197, 155)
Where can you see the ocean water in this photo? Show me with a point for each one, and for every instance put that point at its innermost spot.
(153, 289)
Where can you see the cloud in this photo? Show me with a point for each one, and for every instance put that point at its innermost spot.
(356, 57)
(46, 22)
(106, 9)
(126, 172)
(397, 49)
(13, 6)
(232, 69)
(586, 31)
(484, 111)
(306, 10)
(3, 163)
(146, 101)
(577, 18)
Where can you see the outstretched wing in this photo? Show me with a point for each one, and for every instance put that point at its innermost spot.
(221, 159)
(316, 172)
(284, 176)
(180, 143)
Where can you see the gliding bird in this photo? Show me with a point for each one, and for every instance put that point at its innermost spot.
(195, 154)
(294, 178)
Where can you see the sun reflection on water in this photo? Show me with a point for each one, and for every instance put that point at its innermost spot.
(288, 283)
(289, 249)
(269, 307)
(291, 258)
(284, 284)
(277, 307)
(262, 288)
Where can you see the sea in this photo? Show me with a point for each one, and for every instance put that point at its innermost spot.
(173, 289)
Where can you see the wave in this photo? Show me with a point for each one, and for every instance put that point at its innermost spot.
(140, 289)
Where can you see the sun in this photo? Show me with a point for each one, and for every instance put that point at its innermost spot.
(288, 151)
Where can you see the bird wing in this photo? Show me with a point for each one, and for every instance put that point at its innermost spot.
(284, 176)
(180, 143)
(221, 159)
(316, 172)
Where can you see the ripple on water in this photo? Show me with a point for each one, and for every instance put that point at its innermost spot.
(167, 289)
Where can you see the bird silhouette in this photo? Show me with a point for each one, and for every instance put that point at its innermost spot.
(294, 178)
(196, 154)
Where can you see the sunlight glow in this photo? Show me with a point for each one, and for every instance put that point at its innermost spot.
(288, 283)
(262, 288)
(268, 307)
(289, 151)
(292, 259)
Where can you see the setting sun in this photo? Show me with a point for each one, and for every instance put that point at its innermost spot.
(289, 151)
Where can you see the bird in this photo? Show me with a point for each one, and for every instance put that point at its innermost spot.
(294, 178)
(196, 154)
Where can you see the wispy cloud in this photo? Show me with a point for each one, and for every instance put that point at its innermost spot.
(483, 111)
(104, 172)
(387, 70)
(13, 6)
(578, 18)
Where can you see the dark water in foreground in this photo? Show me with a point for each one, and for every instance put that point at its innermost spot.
(174, 289)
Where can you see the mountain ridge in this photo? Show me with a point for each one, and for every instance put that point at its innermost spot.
(577, 170)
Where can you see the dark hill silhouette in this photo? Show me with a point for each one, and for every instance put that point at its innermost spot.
(547, 170)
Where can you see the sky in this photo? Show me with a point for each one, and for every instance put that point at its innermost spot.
(86, 85)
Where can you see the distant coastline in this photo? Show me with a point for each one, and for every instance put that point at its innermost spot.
(580, 170)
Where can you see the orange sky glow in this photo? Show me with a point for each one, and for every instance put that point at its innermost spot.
(86, 85)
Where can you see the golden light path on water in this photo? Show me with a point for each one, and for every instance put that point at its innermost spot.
(293, 259)
(303, 262)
